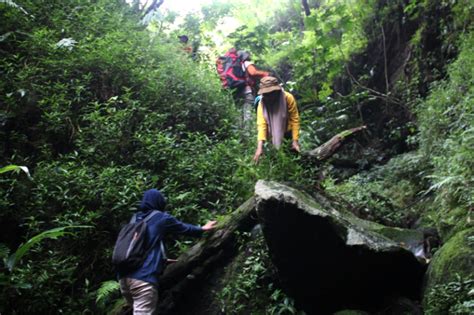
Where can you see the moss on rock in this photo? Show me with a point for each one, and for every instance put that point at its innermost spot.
(454, 257)
(454, 262)
(328, 259)
(449, 222)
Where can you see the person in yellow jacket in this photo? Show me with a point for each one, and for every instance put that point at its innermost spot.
(277, 116)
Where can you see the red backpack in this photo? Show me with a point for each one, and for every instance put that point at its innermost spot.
(229, 68)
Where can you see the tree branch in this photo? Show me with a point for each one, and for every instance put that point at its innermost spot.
(326, 150)
(307, 11)
(153, 6)
(385, 59)
(375, 93)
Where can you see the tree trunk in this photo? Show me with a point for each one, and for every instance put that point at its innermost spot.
(306, 7)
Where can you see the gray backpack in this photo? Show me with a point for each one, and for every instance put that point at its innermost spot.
(131, 248)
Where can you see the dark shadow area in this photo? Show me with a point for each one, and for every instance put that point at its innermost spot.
(324, 275)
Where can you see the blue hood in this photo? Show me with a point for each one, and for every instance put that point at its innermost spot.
(153, 199)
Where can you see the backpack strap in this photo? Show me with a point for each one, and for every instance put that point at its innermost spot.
(163, 251)
(148, 218)
(162, 245)
(257, 101)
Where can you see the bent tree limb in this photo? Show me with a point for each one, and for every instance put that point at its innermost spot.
(153, 6)
(187, 275)
(330, 147)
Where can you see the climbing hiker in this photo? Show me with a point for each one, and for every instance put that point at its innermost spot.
(252, 75)
(139, 285)
(277, 116)
(183, 39)
(238, 73)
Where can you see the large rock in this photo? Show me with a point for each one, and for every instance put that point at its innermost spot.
(452, 263)
(328, 259)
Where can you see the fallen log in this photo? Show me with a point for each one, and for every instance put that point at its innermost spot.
(330, 147)
(182, 283)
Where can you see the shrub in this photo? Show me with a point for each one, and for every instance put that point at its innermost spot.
(446, 137)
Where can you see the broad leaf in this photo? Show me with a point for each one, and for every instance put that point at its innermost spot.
(10, 168)
(53, 234)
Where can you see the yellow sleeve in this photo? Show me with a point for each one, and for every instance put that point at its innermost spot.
(261, 124)
(293, 116)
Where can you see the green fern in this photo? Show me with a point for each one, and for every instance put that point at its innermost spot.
(106, 289)
(117, 307)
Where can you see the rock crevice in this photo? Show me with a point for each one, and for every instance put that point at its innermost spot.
(328, 259)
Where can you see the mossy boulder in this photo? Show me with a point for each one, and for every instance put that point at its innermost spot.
(328, 259)
(454, 257)
(452, 264)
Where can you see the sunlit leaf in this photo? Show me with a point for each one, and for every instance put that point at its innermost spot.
(11, 168)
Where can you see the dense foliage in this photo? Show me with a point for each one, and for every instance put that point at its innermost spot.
(98, 121)
(101, 105)
(99, 116)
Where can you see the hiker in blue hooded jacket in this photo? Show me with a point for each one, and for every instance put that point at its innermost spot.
(139, 287)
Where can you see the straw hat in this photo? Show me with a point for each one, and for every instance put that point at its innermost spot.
(268, 84)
